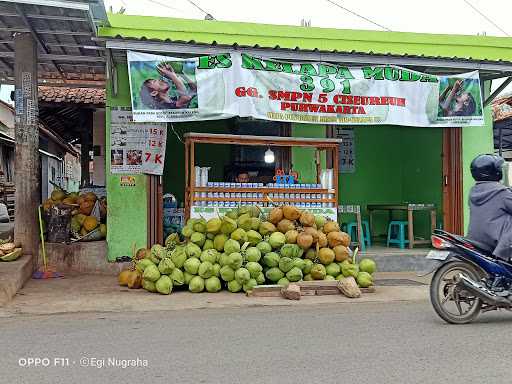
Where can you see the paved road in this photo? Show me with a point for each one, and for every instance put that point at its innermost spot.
(359, 343)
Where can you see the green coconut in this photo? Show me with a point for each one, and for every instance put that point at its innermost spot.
(239, 235)
(219, 241)
(213, 225)
(264, 247)
(252, 254)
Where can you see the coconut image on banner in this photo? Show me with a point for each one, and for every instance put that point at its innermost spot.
(167, 89)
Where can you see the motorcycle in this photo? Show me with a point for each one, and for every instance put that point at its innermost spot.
(469, 279)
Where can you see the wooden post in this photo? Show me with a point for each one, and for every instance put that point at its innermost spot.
(27, 177)
(410, 220)
(85, 145)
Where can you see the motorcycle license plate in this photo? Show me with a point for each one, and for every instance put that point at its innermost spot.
(438, 255)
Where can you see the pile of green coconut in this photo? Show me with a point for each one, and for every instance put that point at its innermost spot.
(246, 248)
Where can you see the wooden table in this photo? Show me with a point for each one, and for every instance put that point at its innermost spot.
(410, 209)
(355, 210)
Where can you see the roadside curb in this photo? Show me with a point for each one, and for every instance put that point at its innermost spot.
(13, 276)
(117, 302)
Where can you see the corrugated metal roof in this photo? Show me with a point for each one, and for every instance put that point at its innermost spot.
(281, 37)
(65, 31)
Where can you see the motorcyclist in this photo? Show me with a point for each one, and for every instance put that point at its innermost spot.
(490, 204)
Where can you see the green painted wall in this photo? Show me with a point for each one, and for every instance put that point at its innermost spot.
(127, 206)
(303, 159)
(475, 141)
(214, 156)
(395, 165)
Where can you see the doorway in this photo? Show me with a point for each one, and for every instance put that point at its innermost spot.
(452, 180)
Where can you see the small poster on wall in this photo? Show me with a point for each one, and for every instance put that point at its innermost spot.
(347, 154)
(136, 147)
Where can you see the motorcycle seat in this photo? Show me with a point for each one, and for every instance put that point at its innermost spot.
(481, 246)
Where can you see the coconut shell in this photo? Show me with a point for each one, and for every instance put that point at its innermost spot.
(338, 238)
(313, 232)
(341, 253)
(291, 212)
(346, 239)
(322, 239)
(141, 253)
(331, 226)
(123, 277)
(326, 256)
(307, 219)
(285, 225)
(135, 280)
(304, 240)
(275, 215)
(291, 236)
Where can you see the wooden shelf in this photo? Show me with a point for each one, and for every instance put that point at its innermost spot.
(262, 190)
(259, 200)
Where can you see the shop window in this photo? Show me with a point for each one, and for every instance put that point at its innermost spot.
(250, 159)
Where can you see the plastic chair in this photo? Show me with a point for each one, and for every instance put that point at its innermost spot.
(397, 233)
(352, 231)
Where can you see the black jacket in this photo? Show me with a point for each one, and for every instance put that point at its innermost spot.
(490, 222)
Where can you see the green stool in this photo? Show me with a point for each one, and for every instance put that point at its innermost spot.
(352, 231)
(397, 233)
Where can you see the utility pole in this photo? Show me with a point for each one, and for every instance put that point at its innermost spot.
(26, 228)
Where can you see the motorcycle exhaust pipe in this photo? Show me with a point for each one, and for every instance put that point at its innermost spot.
(483, 293)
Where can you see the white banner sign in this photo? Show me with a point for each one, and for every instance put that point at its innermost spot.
(170, 89)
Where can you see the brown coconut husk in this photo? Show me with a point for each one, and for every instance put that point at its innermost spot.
(331, 226)
(285, 225)
(326, 256)
(338, 238)
(341, 253)
(275, 215)
(304, 240)
(291, 212)
(307, 219)
(291, 236)
(322, 239)
(313, 232)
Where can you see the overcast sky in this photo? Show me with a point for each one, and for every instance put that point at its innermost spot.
(436, 16)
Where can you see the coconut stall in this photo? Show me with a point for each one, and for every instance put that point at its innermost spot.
(245, 249)
(254, 237)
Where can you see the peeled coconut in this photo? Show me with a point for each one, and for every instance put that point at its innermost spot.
(275, 215)
(291, 212)
(285, 225)
(326, 256)
(304, 240)
(338, 238)
(341, 253)
(266, 228)
(307, 219)
(331, 226)
(313, 232)
(322, 239)
(291, 236)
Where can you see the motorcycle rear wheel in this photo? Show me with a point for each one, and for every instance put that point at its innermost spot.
(443, 291)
